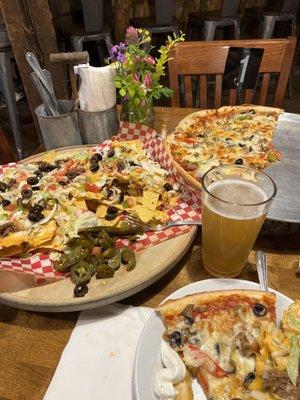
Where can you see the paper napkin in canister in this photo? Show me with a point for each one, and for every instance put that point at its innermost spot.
(98, 361)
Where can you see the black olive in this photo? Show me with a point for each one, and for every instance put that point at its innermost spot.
(121, 197)
(72, 174)
(3, 187)
(81, 290)
(62, 183)
(133, 164)
(112, 210)
(259, 310)
(35, 188)
(32, 180)
(168, 186)
(38, 173)
(26, 193)
(239, 161)
(5, 202)
(36, 209)
(121, 165)
(188, 313)
(242, 145)
(111, 153)
(249, 378)
(110, 192)
(70, 196)
(217, 347)
(95, 158)
(250, 149)
(175, 339)
(94, 167)
(46, 167)
(35, 217)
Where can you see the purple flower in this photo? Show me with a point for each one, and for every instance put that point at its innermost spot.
(131, 36)
(117, 52)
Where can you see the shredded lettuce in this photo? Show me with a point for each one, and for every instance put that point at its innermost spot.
(294, 359)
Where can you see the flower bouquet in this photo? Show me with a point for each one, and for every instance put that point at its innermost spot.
(138, 74)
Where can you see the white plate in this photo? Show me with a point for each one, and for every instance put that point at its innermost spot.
(147, 356)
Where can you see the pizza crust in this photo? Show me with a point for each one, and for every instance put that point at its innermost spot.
(175, 307)
(246, 107)
(181, 171)
(190, 119)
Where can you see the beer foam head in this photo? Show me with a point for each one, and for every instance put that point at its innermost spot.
(236, 198)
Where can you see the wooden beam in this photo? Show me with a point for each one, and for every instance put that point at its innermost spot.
(30, 28)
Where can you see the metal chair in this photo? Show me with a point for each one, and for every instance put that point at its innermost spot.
(162, 22)
(8, 90)
(211, 20)
(93, 22)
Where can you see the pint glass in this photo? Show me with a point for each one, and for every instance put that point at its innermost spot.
(235, 201)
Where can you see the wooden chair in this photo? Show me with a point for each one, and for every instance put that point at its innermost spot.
(204, 59)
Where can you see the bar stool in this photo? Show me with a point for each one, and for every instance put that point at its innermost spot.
(211, 20)
(93, 22)
(162, 22)
(8, 90)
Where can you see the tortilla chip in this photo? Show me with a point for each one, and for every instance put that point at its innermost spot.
(161, 216)
(43, 233)
(81, 204)
(14, 239)
(11, 251)
(133, 144)
(114, 222)
(143, 213)
(150, 199)
(101, 211)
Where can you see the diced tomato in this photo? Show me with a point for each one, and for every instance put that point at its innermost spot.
(52, 186)
(91, 187)
(207, 363)
(11, 207)
(26, 186)
(96, 251)
(187, 140)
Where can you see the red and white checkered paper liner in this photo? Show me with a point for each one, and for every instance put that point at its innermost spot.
(188, 207)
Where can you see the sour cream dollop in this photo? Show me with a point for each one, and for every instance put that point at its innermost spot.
(171, 374)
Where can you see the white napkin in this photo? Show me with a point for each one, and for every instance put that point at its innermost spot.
(97, 363)
(97, 91)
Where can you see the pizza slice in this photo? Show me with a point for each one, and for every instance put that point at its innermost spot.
(229, 342)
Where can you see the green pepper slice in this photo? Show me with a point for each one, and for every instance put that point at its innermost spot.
(103, 271)
(126, 253)
(131, 264)
(80, 273)
(115, 261)
(109, 253)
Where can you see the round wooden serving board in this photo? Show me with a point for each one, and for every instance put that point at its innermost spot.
(20, 290)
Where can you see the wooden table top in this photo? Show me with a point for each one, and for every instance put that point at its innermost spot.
(31, 343)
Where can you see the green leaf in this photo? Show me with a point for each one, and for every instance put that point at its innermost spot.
(294, 359)
(122, 92)
(131, 91)
(118, 84)
(136, 101)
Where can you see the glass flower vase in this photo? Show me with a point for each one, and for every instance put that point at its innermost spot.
(142, 113)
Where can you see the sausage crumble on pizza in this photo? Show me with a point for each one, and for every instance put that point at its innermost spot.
(230, 135)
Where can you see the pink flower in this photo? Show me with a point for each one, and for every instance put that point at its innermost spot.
(150, 60)
(131, 36)
(147, 80)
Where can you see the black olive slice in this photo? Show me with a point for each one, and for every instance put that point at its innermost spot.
(72, 174)
(259, 310)
(168, 186)
(81, 290)
(175, 339)
(3, 187)
(239, 161)
(38, 173)
(26, 193)
(95, 158)
(32, 180)
(111, 153)
(35, 217)
(5, 202)
(121, 165)
(94, 167)
(249, 378)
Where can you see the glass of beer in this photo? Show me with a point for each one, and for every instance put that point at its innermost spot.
(235, 201)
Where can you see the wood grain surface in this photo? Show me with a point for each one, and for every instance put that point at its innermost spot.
(31, 343)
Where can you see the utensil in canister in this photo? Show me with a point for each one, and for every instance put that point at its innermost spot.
(71, 59)
(53, 103)
(262, 270)
(43, 93)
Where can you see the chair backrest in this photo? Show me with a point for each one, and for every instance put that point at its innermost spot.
(230, 8)
(290, 6)
(164, 11)
(209, 59)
